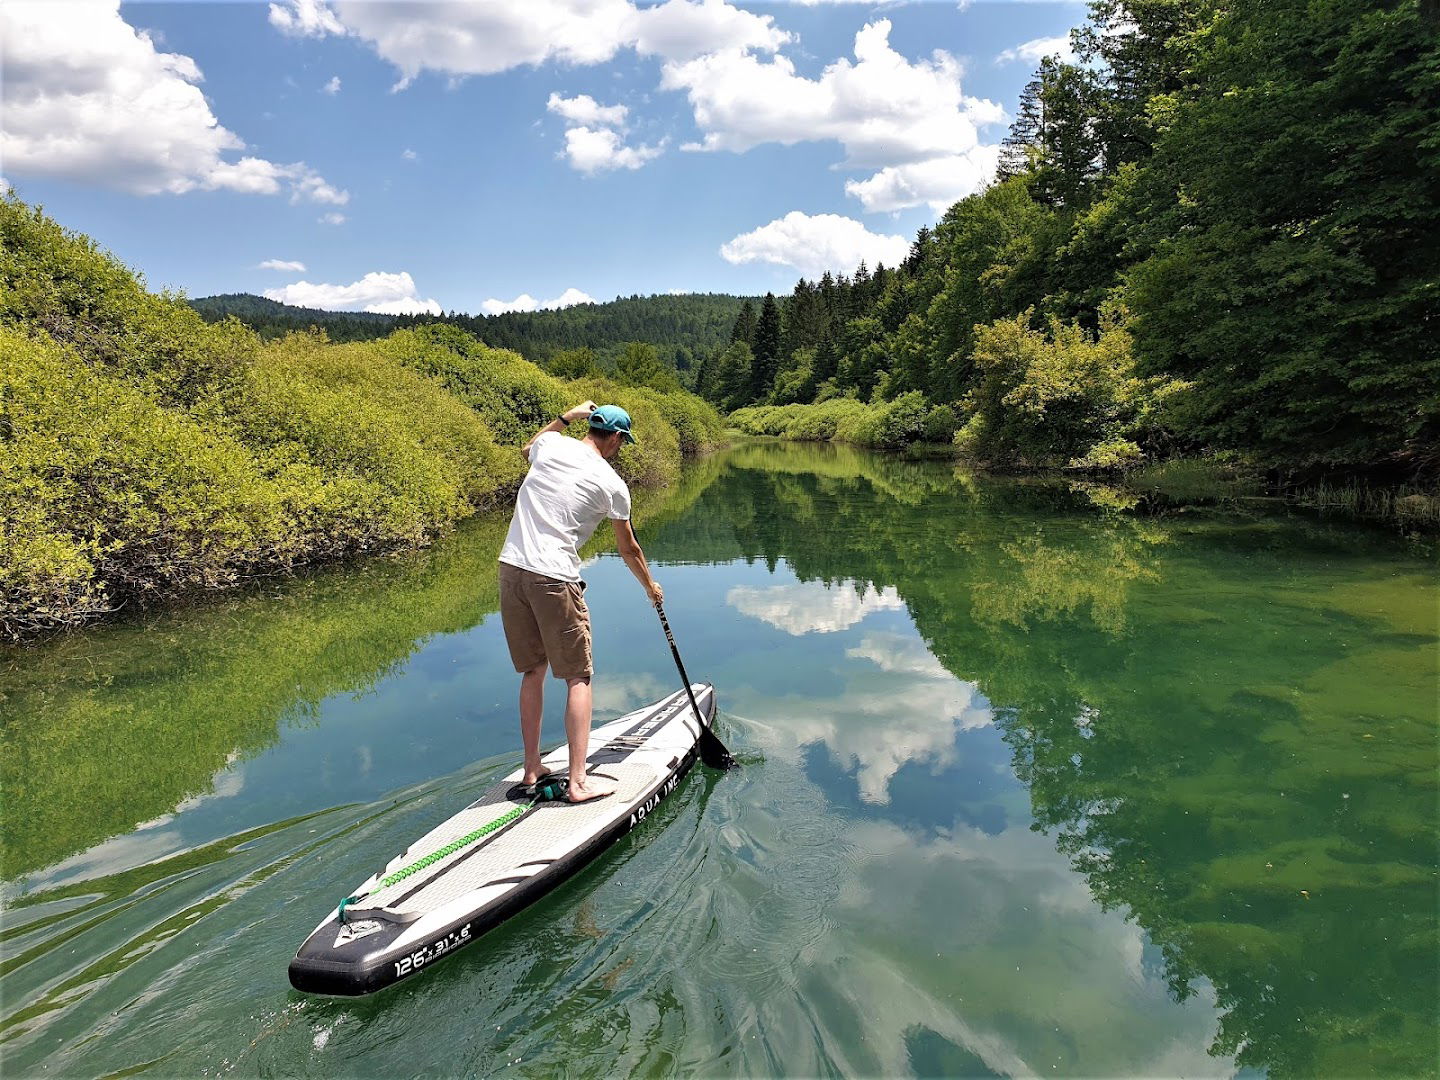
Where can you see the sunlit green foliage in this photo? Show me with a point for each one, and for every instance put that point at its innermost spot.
(103, 489)
(1062, 396)
(639, 365)
(1296, 285)
(61, 285)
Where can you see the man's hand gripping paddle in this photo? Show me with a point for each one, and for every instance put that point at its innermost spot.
(712, 750)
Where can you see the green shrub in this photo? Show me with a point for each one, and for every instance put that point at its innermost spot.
(817, 423)
(1110, 453)
(61, 283)
(887, 424)
(697, 424)
(368, 453)
(512, 395)
(1062, 395)
(940, 424)
(902, 421)
(105, 494)
(761, 419)
(971, 436)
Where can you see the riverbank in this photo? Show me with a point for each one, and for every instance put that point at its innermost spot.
(923, 432)
(151, 454)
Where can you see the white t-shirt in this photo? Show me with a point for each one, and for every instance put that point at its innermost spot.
(569, 490)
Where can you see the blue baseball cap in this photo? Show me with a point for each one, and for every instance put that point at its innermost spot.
(612, 418)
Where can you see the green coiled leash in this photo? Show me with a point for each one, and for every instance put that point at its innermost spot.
(550, 789)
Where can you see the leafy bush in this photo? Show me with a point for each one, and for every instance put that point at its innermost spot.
(887, 424)
(104, 492)
(940, 424)
(697, 423)
(902, 421)
(512, 395)
(817, 423)
(1062, 395)
(761, 419)
(60, 283)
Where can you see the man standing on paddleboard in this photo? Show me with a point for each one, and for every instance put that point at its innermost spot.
(570, 488)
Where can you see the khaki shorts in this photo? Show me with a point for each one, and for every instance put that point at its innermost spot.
(546, 621)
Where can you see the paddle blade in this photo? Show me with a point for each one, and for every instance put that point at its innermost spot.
(713, 753)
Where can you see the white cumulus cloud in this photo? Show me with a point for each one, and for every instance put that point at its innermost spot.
(331, 218)
(486, 37)
(333, 86)
(91, 99)
(593, 150)
(388, 294)
(287, 265)
(597, 144)
(304, 18)
(583, 109)
(1036, 49)
(885, 110)
(409, 155)
(680, 30)
(938, 182)
(882, 108)
(526, 302)
(815, 243)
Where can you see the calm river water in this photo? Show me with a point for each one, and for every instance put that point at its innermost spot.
(1034, 784)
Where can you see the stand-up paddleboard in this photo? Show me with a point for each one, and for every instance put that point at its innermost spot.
(502, 852)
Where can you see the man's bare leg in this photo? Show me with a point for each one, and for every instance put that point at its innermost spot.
(577, 734)
(532, 707)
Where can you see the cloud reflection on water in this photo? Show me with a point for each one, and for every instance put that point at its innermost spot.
(906, 708)
(813, 607)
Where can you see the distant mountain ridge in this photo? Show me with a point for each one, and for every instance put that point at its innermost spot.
(248, 306)
(683, 326)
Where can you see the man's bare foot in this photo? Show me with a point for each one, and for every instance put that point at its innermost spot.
(533, 773)
(589, 788)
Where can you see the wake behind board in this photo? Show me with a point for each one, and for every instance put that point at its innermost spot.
(501, 853)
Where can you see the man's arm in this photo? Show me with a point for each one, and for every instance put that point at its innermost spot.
(635, 559)
(569, 416)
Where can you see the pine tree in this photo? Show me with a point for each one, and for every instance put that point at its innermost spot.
(767, 348)
(1019, 149)
(1071, 153)
(826, 359)
(803, 319)
(744, 328)
(733, 377)
(705, 378)
(919, 251)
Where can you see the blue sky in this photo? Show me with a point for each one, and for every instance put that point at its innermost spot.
(469, 156)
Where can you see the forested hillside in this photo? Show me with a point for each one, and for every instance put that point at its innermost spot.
(271, 319)
(1218, 231)
(682, 328)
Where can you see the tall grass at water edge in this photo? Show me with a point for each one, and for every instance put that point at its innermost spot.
(1404, 506)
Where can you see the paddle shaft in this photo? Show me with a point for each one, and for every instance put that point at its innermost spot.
(679, 664)
(712, 750)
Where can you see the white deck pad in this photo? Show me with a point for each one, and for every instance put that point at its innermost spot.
(460, 885)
